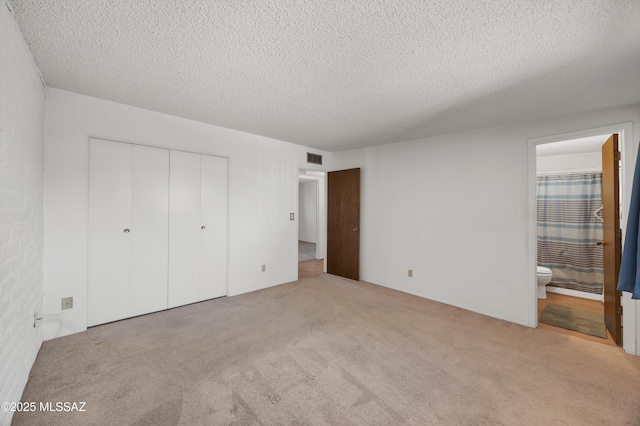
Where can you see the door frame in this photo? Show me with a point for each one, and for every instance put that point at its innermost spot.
(321, 211)
(628, 149)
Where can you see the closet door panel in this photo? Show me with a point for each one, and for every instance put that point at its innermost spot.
(149, 229)
(184, 228)
(109, 245)
(213, 239)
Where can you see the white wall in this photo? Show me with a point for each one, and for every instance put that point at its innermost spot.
(308, 211)
(263, 187)
(454, 209)
(591, 161)
(21, 212)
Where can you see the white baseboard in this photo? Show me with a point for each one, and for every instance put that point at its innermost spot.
(575, 293)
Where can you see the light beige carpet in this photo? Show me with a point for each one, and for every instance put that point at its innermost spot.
(330, 351)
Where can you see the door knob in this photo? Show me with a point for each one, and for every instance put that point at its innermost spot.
(600, 243)
(127, 230)
(203, 227)
(355, 229)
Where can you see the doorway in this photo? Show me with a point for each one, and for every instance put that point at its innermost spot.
(620, 130)
(343, 223)
(569, 181)
(569, 215)
(311, 223)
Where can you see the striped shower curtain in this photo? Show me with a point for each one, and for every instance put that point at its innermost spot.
(568, 230)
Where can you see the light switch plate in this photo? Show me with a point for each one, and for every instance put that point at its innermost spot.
(292, 216)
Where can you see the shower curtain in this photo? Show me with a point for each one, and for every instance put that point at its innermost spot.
(568, 229)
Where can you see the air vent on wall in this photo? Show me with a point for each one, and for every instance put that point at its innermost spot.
(314, 158)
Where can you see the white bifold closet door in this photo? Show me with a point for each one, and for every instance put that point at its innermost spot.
(197, 228)
(128, 230)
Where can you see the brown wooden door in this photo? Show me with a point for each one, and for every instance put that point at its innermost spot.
(343, 223)
(612, 236)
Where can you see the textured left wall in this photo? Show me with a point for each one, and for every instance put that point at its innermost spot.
(22, 97)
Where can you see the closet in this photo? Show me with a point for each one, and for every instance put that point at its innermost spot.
(197, 228)
(157, 229)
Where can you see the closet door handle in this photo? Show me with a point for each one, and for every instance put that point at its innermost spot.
(127, 230)
(600, 243)
(203, 227)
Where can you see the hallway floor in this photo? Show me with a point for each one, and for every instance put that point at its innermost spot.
(306, 251)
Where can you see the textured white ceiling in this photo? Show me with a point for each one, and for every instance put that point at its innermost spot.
(338, 74)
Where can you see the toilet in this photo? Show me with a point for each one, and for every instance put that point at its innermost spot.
(544, 278)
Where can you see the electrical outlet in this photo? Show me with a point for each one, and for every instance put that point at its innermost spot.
(292, 216)
(67, 303)
(264, 268)
(410, 273)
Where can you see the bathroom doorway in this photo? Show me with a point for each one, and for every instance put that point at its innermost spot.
(311, 223)
(570, 235)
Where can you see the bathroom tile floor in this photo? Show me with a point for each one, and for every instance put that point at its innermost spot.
(576, 302)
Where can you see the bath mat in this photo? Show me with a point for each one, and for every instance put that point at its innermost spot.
(574, 319)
